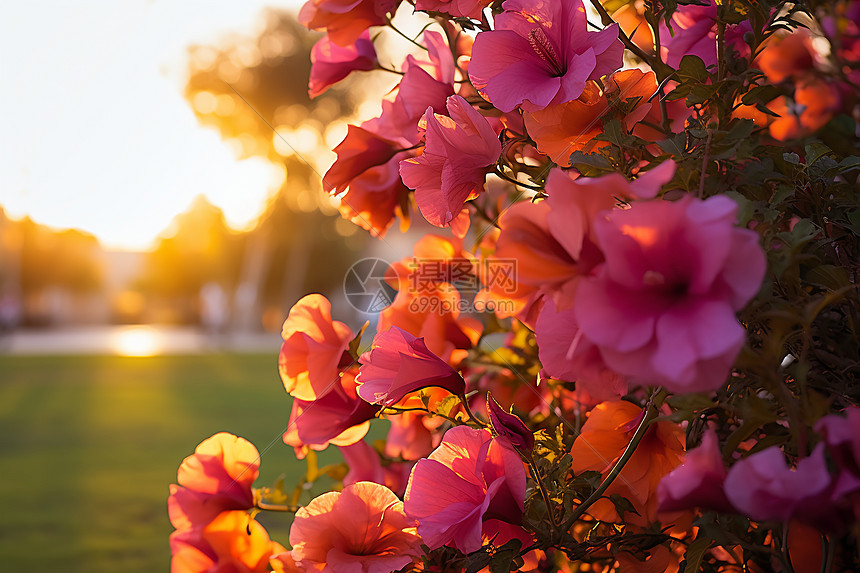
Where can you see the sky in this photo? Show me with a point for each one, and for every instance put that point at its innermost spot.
(96, 134)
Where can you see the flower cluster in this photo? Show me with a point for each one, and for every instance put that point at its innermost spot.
(671, 383)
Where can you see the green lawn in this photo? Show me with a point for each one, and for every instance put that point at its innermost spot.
(89, 444)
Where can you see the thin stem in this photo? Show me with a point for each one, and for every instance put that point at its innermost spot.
(465, 402)
(499, 172)
(543, 493)
(393, 27)
(389, 70)
(826, 554)
(276, 507)
(650, 414)
(704, 166)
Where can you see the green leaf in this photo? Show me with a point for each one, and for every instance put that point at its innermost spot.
(693, 68)
(355, 342)
(792, 158)
(815, 151)
(622, 505)
(694, 555)
(446, 405)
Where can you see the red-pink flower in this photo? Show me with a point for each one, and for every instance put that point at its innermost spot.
(313, 348)
(470, 478)
(567, 355)
(217, 477)
(362, 529)
(541, 53)
(460, 8)
(661, 308)
(694, 32)
(360, 150)
(509, 426)
(331, 63)
(345, 20)
(698, 482)
(375, 197)
(763, 487)
(397, 364)
(459, 152)
(339, 417)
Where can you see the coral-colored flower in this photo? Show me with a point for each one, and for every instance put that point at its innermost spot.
(331, 63)
(459, 8)
(362, 529)
(375, 197)
(363, 463)
(397, 364)
(662, 306)
(786, 56)
(216, 477)
(233, 542)
(428, 303)
(605, 436)
(541, 53)
(763, 487)
(561, 129)
(313, 348)
(460, 149)
(340, 418)
(345, 20)
(471, 477)
(698, 482)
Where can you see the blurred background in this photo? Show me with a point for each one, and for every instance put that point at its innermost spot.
(154, 233)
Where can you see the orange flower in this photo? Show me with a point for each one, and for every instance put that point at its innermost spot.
(786, 56)
(217, 477)
(314, 345)
(605, 435)
(233, 542)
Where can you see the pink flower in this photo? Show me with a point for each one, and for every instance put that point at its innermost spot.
(662, 306)
(397, 364)
(462, 8)
(217, 477)
(459, 152)
(541, 53)
(694, 32)
(567, 355)
(698, 482)
(509, 426)
(471, 477)
(339, 417)
(763, 487)
(331, 63)
(425, 84)
(363, 463)
(362, 529)
(313, 348)
(345, 20)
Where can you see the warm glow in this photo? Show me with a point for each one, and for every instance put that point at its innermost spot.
(645, 236)
(136, 341)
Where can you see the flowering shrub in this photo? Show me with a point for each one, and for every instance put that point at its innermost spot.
(643, 347)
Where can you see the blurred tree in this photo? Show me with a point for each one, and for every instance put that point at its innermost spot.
(254, 92)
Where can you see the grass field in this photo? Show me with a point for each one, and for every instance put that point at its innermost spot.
(88, 446)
